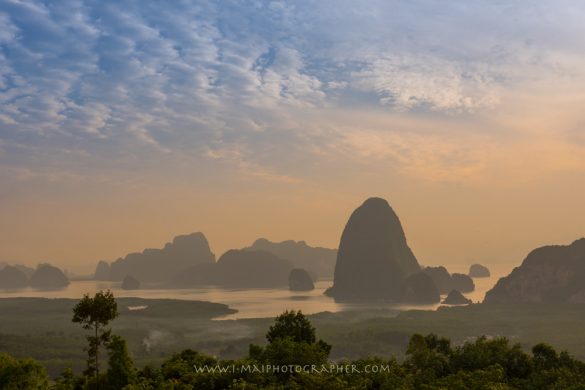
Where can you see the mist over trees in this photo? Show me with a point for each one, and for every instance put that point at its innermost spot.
(294, 358)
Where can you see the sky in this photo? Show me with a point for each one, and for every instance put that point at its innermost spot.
(124, 124)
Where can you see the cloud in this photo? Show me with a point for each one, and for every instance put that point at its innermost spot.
(165, 82)
(410, 82)
(433, 158)
(247, 169)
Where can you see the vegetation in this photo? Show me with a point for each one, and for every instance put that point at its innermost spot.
(153, 329)
(121, 371)
(95, 314)
(295, 359)
(141, 353)
(21, 374)
(291, 341)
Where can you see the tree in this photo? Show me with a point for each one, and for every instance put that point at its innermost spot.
(66, 381)
(286, 352)
(292, 341)
(428, 357)
(21, 373)
(95, 314)
(121, 370)
(292, 324)
(545, 357)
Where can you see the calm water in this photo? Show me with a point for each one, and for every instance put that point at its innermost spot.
(249, 303)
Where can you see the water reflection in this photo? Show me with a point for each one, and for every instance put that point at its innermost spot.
(250, 303)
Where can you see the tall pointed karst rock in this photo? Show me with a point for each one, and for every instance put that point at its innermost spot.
(374, 259)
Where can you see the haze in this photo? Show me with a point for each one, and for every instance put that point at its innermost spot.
(124, 125)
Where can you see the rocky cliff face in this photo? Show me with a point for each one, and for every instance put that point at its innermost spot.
(252, 269)
(159, 265)
(462, 283)
(102, 271)
(300, 280)
(47, 277)
(447, 282)
(12, 278)
(551, 274)
(456, 298)
(130, 283)
(27, 270)
(316, 260)
(238, 269)
(441, 277)
(420, 289)
(479, 271)
(373, 260)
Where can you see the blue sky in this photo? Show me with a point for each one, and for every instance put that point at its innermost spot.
(218, 79)
(283, 99)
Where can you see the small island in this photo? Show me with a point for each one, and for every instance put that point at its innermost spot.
(130, 283)
(479, 271)
(47, 277)
(456, 298)
(12, 278)
(300, 280)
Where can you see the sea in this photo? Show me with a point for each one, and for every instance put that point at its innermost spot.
(255, 303)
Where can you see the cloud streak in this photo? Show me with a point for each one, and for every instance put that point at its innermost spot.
(125, 123)
(133, 81)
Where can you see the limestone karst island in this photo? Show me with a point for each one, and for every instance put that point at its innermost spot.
(284, 195)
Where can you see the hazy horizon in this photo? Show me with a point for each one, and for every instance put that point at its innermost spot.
(498, 265)
(122, 127)
(402, 140)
